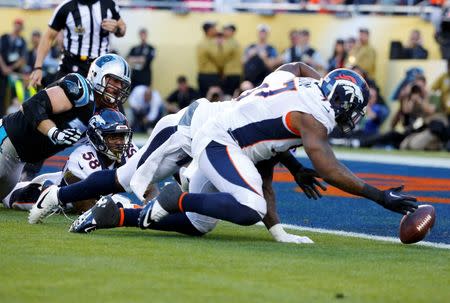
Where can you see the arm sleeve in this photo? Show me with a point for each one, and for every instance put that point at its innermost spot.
(58, 20)
(37, 108)
(77, 89)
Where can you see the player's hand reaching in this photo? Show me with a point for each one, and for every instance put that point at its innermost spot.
(396, 201)
(67, 136)
(280, 235)
(306, 179)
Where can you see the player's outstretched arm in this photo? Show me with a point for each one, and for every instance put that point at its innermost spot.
(315, 142)
(300, 69)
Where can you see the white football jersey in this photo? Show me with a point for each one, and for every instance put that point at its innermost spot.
(84, 160)
(260, 121)
(196, 115)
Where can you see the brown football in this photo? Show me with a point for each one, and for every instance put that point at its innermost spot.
(415, 226)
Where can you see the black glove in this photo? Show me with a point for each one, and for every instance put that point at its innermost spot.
(306, 179)
(66, 136)
(394, 200)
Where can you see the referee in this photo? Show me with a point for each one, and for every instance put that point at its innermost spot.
(87, 25)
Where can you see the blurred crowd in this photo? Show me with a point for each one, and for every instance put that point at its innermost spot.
(420, 113)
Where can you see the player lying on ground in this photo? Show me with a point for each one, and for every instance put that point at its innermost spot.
(106, 214)
(283, 112)
(165, 152)
(109, 146)
(166, 156)
(47, 123)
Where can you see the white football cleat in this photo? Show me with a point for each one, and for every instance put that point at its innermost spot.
(46, 204)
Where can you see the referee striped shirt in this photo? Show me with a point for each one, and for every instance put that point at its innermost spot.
(83, 34)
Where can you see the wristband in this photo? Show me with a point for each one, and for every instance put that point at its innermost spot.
(36, 68)
(373, 194)
(117, 31)
(50, 133)
(277, 231)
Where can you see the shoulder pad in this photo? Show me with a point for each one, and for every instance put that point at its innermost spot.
(77, 89)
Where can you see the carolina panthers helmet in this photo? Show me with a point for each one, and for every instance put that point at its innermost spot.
(348, 94)
(105, 68)
(109, 133)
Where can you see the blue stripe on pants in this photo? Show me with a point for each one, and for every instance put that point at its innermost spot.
(157, 141)
(219, 158)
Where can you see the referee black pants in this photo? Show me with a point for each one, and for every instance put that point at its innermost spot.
(73, 65)
(205, 81)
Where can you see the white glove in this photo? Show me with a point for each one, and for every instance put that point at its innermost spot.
(67, 136)
(280, 235)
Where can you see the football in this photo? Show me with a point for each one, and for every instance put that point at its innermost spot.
(415, 226)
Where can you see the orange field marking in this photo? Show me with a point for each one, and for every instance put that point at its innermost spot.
(385, 181)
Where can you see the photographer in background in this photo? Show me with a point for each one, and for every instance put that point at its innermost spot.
(409, 119)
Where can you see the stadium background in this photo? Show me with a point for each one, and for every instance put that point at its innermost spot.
(175, 37)
(242, 264)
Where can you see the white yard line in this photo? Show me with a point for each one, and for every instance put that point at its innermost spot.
(361, 236)
(388, 159)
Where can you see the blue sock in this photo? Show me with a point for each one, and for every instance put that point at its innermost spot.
(221, 206)
(178, 222)
(131, 216)
(100, 183)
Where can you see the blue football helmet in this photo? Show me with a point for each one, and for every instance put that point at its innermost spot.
(348, 94)
(109, 133)
(102, 71)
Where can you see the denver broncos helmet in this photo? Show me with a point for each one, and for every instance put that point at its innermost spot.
(348, 94)
(109, 133)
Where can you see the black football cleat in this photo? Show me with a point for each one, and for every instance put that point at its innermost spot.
(104, 214)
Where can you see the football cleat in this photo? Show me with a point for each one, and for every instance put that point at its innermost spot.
(46, 204)
(152, 212)
(161, 206)
(104, 214)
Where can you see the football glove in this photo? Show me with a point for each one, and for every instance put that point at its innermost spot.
(67, 136)
(395, 201)
(306, 179)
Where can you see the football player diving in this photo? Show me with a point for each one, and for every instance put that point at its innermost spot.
(161, 157)
(285, 111)
(54, 118)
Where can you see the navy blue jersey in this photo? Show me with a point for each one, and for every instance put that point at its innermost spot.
(33, 146)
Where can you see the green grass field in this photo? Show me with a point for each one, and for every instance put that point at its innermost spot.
(45, 263)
